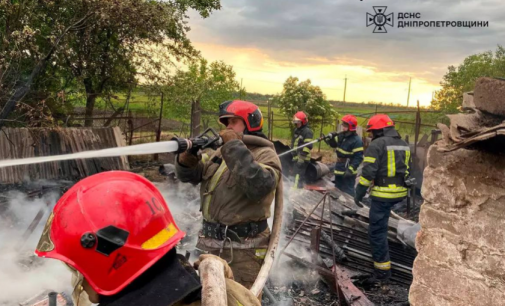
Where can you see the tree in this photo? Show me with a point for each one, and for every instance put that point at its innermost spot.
(199, 89)
(303, 96)
(30, 36)
(105, 53)
(462, 79)
(106, 56)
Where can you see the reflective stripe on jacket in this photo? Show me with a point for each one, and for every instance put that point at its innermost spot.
(386, 159)
(349, 152)
(302, 136)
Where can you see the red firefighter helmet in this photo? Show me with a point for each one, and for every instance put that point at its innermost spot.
(378, 122)
(351, 121)
(249, 112)
(300, 117)
(111, 227)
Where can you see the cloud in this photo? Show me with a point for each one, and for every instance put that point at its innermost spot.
(299, 33)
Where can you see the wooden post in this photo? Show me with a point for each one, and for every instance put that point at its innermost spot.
(158, 132)
(408, 95)
(269, 119)
(322, 123)
(417, 129)
(415, 159)
(130, 126)
(345, 87)
(241, 88)
(271, 125)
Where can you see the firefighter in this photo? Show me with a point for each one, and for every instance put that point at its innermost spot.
(386, 165)
(349, 154)
(239, 181)
(115, 233)
(301, 157)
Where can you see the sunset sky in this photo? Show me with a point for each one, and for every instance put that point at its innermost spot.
(267, 41)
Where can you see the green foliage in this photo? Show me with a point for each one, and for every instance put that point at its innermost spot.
(208, 85)
(303, 96)
(462, 78)
(107, 46)
(257, 97)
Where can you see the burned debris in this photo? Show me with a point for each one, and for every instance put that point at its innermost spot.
(326, 223)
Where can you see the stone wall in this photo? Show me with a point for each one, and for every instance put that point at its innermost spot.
(461, 244)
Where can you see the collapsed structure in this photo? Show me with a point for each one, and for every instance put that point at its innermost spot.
(461, 244)
(330, 224)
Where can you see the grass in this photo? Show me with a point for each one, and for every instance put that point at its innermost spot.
(282, 127)
(149, 106)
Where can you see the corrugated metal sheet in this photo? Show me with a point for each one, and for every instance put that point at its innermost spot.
(23, 142)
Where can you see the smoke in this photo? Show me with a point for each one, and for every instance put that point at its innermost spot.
(183, 199)
(284, 272)
(22, 274)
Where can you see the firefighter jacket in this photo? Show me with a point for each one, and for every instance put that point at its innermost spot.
(238, 181)
(386, 164)
(349, 152)
(174, 283)
(302, 135)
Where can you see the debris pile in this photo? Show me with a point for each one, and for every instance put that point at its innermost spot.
(482, 125)
(329, 224)
(461, 244)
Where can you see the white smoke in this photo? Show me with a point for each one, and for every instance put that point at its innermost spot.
(284, 273)
(183, 200)
(22, 274)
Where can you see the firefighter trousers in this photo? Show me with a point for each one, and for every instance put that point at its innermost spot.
(346, 184)
(378, 237)
(300, 169)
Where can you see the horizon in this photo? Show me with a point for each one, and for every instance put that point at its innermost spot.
(266, 42)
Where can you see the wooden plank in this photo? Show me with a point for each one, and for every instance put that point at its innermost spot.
(353, 296)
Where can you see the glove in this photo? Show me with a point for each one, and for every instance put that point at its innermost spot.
(228, 273)
(230, 134)
(360, 194)
(348, 173)
(331, 135)
(188, 159)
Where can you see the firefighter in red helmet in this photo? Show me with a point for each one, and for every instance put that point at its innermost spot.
(386, 165)
(349, 154)
(302, 135)
(239, 182)
(116, 234)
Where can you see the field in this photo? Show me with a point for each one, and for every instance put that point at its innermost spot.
(404, 118)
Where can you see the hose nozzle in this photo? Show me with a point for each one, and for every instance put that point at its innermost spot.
(183, 144)
(208, 139)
